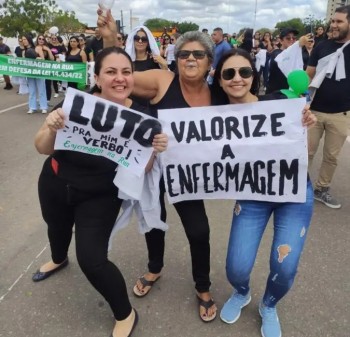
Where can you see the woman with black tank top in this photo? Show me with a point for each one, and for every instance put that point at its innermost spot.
(236, 81)
(75, 54)
(77, 188)
(194, 54)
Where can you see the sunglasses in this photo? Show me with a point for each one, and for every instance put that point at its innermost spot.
(293, 38)
(119, 38)
(140, 38)
(230, 73)
(41, 38)
(197, 54)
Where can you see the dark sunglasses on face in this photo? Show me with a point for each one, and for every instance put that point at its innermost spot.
(230, 73)
(140, 38)
(119, 38)
(41, 38)
(197, 54)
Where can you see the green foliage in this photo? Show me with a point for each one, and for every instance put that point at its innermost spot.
(25, 16)
(295, 23)
(311, 24)
(67, 24)
(157, 24)
(185, 26)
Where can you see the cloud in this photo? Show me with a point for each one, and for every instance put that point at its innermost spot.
(230, 15)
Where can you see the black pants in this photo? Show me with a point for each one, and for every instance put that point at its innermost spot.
(94, 215)
(49, 89)
(195, 222)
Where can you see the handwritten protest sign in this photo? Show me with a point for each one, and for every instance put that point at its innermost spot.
(254, 151)
(36, 68)
(99, 127)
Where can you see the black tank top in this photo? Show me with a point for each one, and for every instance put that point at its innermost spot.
(172, 99)
(74, 58)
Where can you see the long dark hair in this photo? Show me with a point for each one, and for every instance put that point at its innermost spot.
(100, 58)
(69, 48)
(219, 97)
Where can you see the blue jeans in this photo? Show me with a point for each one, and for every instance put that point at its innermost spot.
(291, 224)
(34, 85)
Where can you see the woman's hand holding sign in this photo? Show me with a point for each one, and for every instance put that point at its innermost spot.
(55, 120)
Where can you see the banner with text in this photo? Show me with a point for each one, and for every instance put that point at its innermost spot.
(36, 68)
(255, 151)
(99, 127)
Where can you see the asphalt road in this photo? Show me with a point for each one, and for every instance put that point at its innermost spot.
(67, 305)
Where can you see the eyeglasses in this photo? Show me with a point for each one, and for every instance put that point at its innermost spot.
(197, 54)
(230, 73)
(138, 38)
(291, 38)
(41, 39)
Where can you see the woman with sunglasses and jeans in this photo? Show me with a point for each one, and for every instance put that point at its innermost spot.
(42, 44)
(235, 82)
(194, 54)
(36, 86)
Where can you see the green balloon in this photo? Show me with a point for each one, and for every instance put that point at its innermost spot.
(298, 81)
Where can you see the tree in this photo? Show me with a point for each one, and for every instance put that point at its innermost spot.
(67, 24)
(311, 24)
(185, 26)
(295, 23)
(157, 24)
(25, 16)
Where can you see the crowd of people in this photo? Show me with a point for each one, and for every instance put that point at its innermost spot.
(195, 69)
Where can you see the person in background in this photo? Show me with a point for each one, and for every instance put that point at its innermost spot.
(236, 82)
(144, 52)
(5, 50)
(233, 41)
(306, 52)
(166, 90)
(42, 45)
(22, 81)
(96, 43)
(59, 51)
(36, 86)
(319, 35)
(245, 41)
(266, 43)
(276, 79)
(77, 189)
(75, 54)
(221, 46)
(169, 52)
(165, 44)
(83, 46)
(331, 104)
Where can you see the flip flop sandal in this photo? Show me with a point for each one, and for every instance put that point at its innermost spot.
(145, 283)
(206, 305)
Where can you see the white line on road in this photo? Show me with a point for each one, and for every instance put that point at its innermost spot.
(13, 107)
(24, 272)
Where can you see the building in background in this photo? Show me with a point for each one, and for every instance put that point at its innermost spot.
(333, 4)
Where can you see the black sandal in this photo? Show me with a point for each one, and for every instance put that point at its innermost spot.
(145, 283)
(206, 305)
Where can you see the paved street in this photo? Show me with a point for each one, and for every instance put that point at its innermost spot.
(67, 306)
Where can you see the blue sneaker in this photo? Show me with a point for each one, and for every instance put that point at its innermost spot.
(231, 310)
(270, 323)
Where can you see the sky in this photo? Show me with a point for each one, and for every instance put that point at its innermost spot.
(231, 16)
